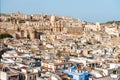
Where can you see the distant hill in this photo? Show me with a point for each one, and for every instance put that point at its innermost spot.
(111, 22)
(3, 14)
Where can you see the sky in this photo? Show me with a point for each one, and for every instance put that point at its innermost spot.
(87, 10)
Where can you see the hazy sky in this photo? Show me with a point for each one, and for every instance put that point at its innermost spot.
(88, 10)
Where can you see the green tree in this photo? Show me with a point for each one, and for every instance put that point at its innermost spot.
(111, 22)
(58, 54)
(5, 35)
(28, 36)
(88, 43)
(18, 29)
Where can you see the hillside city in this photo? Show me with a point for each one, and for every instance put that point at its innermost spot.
(51, 47)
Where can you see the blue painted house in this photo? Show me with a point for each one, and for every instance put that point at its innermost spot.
(73, 73)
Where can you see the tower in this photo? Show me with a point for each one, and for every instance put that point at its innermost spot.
(52, 20)
(98, 26)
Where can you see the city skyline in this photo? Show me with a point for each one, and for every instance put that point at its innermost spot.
(91, 11)
(59, 40)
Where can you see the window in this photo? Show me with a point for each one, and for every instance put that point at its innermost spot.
(115, 72)
(30, 78)
(35, 76)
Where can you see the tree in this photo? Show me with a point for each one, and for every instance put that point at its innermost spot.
(3, 51)
(58, 54)
(111, 22)
(6, 35)
(88, 43)
(28, 36)
(18, 29)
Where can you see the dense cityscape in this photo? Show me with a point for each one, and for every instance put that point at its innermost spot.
(52, 47)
